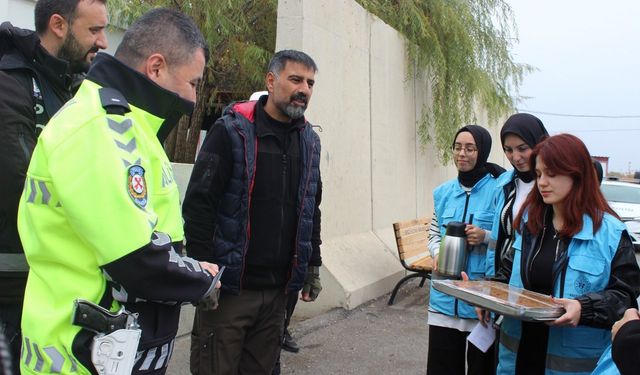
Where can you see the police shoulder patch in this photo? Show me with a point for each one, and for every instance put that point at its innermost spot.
(137, 185)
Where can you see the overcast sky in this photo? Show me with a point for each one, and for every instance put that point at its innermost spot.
(588, 58)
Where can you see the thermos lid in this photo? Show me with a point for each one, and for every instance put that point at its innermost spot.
(456, 229)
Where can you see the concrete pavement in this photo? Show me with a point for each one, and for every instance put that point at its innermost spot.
(373, 338)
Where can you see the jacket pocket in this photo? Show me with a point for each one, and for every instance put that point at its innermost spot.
(585, 337)
(201, 358)
(202, 345)
(585, 274)
(476, 265)
(448, 215)
(483, 219)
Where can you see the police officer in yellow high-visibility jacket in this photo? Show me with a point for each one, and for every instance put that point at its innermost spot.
(99, 217)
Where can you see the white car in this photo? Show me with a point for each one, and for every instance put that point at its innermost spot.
(624, 198)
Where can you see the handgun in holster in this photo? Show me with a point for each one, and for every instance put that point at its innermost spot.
(114, 347)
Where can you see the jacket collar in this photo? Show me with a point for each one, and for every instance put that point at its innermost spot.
(586, 232)
(506, 178)
(140, 91)
(478, 185)
(266, 125)
(255, 113)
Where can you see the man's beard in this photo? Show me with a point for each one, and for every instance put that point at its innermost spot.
(72, 52)
(294, 111)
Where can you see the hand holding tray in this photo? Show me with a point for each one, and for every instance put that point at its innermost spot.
(502, 298)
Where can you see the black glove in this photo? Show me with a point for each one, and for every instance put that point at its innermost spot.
(312, 285)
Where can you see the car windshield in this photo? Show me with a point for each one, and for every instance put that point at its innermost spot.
(621, 193)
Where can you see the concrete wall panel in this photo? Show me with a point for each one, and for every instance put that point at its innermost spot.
(393, 136)
(18, 12)
(340, 103)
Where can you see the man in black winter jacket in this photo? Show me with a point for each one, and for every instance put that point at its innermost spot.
(252, 205)
(37, 71)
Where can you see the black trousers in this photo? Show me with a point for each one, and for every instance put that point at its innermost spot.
(446, 354)
(292, 301)
(10, 316)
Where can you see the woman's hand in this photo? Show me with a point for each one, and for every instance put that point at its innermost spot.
(571, 317)
(630, 314)
(435, 264)
(475, 235)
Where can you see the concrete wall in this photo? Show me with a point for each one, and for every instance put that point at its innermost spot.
(20, 14)
(373, 169)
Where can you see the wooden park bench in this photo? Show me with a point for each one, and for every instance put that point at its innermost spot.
(411, 241)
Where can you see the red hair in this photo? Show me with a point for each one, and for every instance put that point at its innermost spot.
(566, 155)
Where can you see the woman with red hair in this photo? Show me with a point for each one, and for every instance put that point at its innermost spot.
(569, 244)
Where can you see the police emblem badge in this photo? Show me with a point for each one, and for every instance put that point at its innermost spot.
(137, 185)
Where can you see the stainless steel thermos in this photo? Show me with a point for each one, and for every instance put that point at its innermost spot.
(452, 257)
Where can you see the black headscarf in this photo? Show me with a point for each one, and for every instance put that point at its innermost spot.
(599, 172)
(530, 129)
(483, 142)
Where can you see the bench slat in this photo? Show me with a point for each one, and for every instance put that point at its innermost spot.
(425, 264)
(408, 251)
(412, 237)
(421, 237)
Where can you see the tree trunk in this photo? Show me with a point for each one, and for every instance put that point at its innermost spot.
(170, 143)
(182, 142)
(197, 118)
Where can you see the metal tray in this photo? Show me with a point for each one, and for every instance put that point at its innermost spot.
(502, 298)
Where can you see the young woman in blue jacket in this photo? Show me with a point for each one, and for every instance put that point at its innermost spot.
(569, 244)
(469, 195)
(519, 135)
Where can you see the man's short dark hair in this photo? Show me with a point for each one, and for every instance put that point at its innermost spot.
(279, 60)
(44, 9)
(165, 31)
